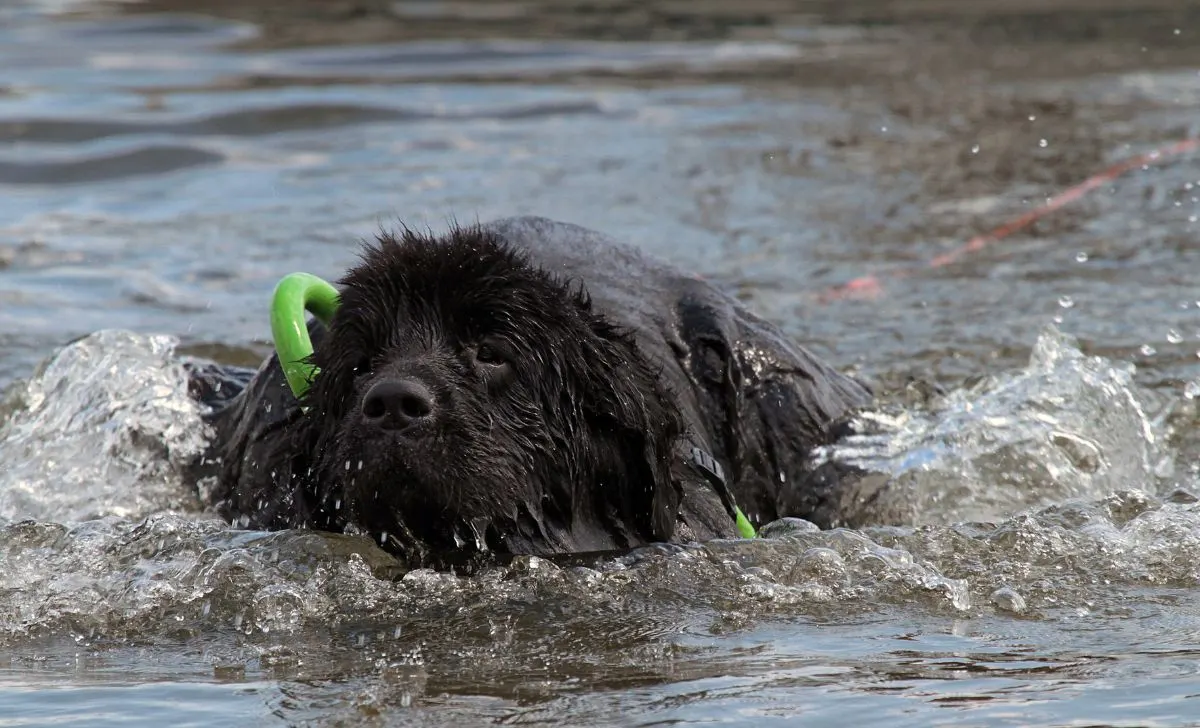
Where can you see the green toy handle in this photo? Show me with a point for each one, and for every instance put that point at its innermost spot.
(295, 294)
(744, 527)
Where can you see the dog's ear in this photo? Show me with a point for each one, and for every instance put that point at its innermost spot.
(296, 460)
(631, 410)
(260, 480)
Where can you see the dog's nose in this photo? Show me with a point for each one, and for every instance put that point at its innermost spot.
(396, 404)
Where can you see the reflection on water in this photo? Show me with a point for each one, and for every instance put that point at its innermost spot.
(159, 172)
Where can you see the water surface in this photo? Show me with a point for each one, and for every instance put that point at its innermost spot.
(162, 165)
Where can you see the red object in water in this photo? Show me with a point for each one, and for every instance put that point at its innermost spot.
(871, 286)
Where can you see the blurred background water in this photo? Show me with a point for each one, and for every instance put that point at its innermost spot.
(164, 162)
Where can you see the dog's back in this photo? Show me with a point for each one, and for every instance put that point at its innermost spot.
(758, 401)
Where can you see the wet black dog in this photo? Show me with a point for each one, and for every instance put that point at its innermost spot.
(529, 386)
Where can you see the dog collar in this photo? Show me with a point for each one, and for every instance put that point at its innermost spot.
(708, 466)
(295, 294)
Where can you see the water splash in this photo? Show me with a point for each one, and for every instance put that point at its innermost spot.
(169, 576)
(1068, 556)
(1067, 426)
(109, 414)
(102, 428)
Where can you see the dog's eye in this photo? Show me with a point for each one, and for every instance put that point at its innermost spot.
(362, 367)
(490, 354)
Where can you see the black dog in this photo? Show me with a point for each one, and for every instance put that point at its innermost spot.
(529, 386)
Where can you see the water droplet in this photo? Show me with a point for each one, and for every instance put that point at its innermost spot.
(1191, 218)
(1148, 350)
(337, 504)
(397, 631)
(1066, 302)
(1192, 389)
(383, 538)
(478, 529)
(347, 466)
(883, 129)
(974, 149)
(1081, 257)
(360, 464)
(1174, 337)
(1178, 31)
(1032, 117)
(206, 608)
(1043, 143)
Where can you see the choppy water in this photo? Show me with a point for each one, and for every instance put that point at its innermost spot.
(158, 173)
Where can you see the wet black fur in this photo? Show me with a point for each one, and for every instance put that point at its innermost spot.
(575, 448)
(582, 431)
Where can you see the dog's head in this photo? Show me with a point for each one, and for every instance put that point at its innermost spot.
(468, 398)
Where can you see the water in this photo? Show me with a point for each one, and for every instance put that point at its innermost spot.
(160, 171)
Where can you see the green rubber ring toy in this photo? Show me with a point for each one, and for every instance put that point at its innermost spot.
(295, 294)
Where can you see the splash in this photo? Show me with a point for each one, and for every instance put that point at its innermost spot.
(168, 576)
(1072, 557)
(1067, 426)
(101, 429)
(94, 441)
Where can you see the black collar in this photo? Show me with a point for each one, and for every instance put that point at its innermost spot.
(708, 467)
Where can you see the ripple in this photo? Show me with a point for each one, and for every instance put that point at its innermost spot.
(253, 122)
(434, 59)
(139, 162)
